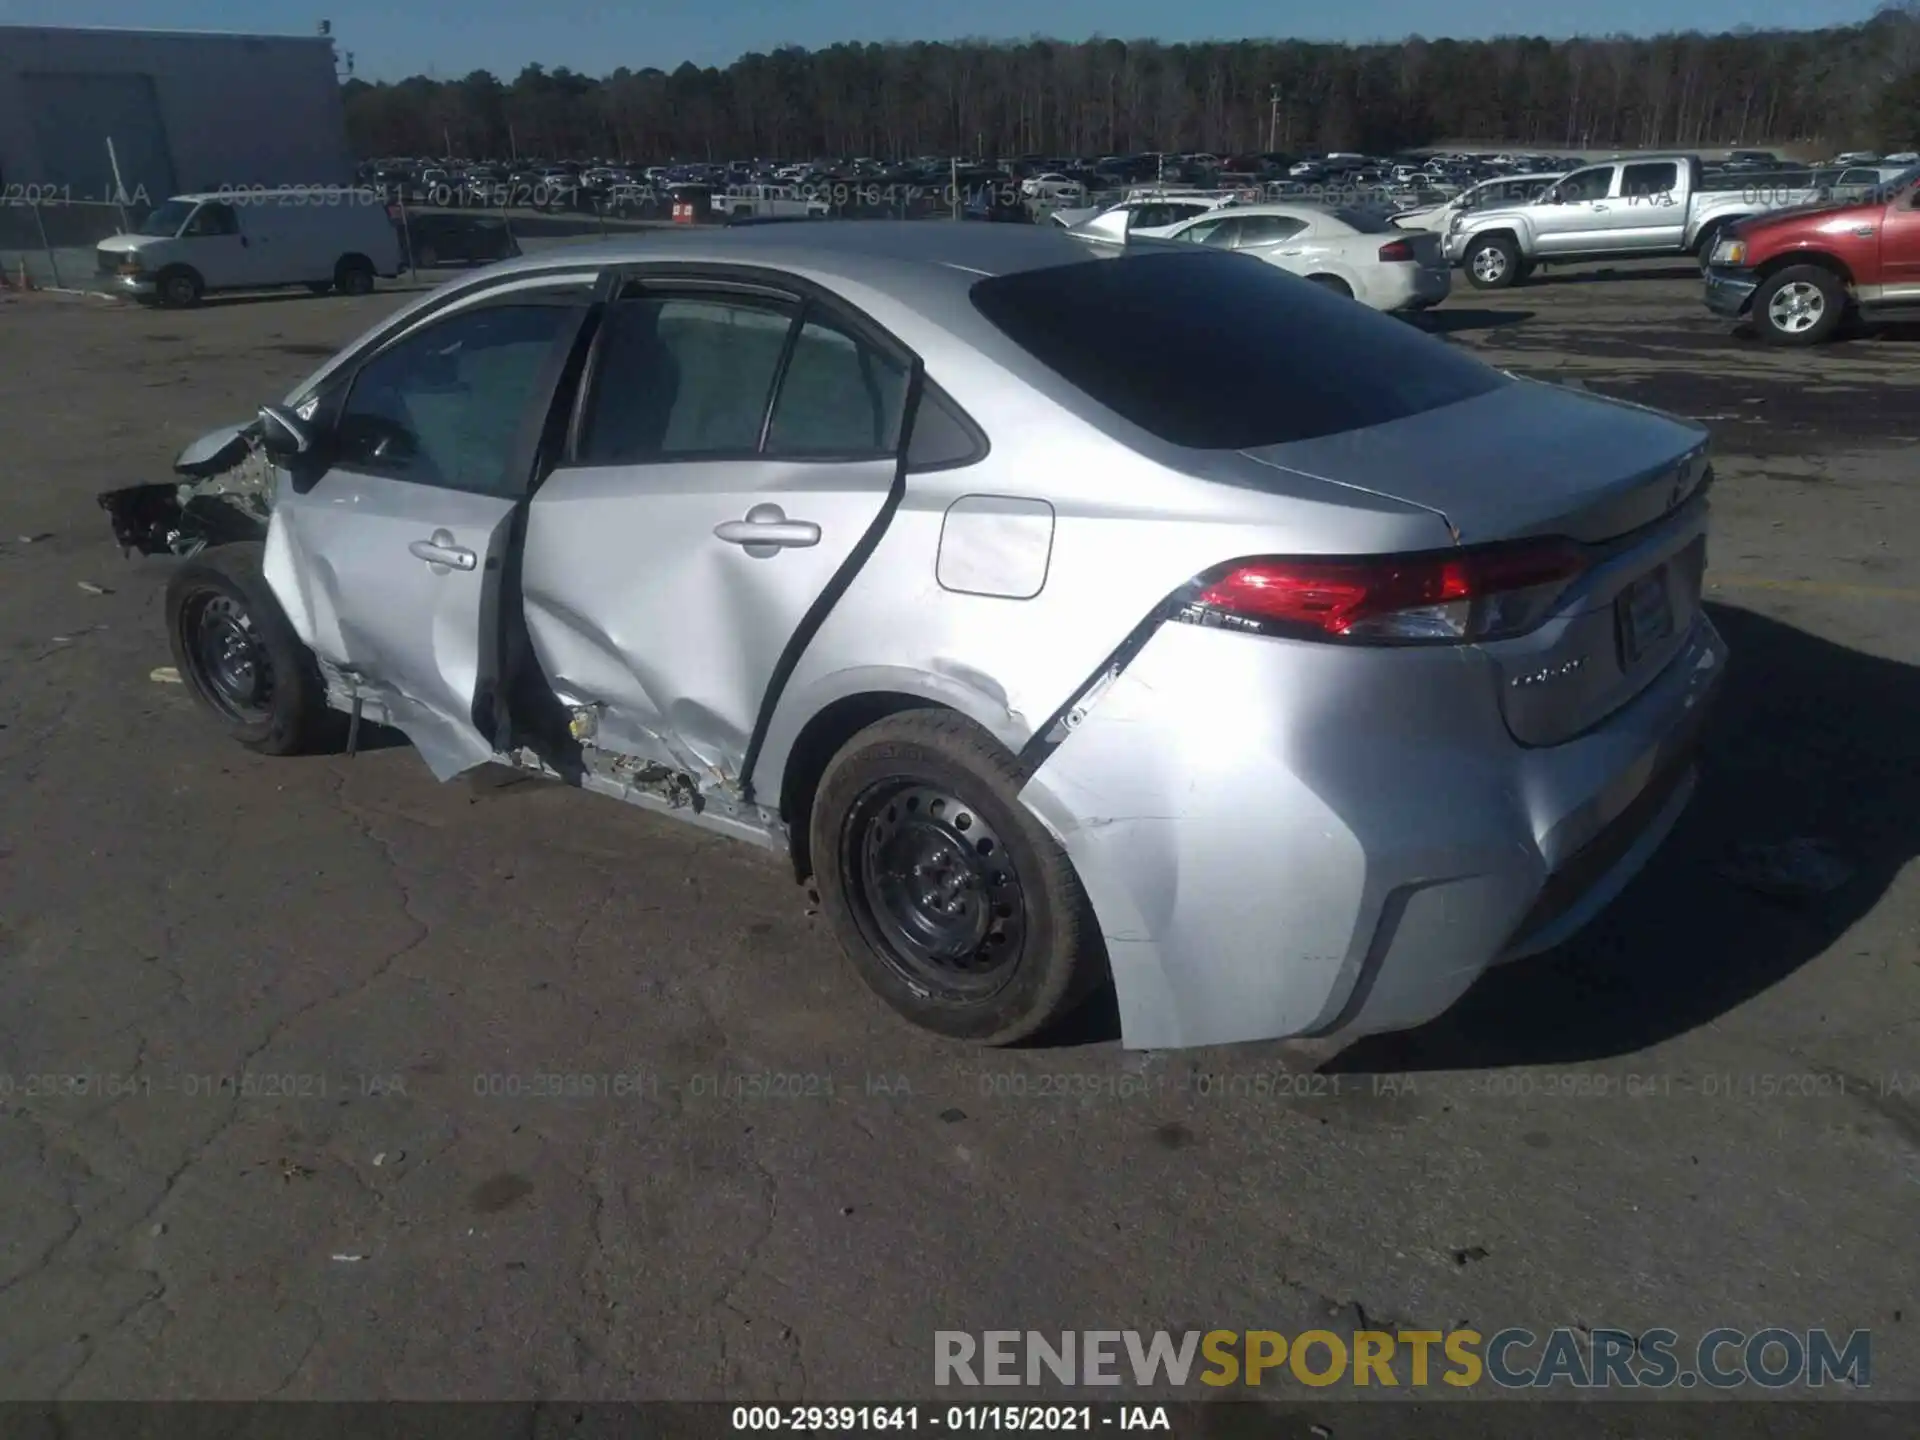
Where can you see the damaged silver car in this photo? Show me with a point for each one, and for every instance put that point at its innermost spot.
(1069, 613)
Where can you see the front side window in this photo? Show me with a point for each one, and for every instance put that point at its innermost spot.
(444, 405)
(213, 219)
(1594, 184)
(1219, 232)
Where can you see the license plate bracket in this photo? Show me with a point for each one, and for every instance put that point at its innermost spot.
(1643, 615)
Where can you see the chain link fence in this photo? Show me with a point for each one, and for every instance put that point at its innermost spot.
(49, 243)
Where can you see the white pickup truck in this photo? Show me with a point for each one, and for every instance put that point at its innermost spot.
(1646, 205)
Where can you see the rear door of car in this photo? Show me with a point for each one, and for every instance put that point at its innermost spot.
(1647, 214)
(389, 549)
(215, 243)
(734, 458)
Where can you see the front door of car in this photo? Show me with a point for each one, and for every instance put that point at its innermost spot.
(393, 542)
(1571, 216)
(216, 245)
(1899, 241)
(733, 456)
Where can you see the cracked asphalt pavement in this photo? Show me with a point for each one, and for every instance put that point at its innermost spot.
(277, 1037)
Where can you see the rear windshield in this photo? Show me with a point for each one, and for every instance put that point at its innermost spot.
(1216, 351)
(1366, 222)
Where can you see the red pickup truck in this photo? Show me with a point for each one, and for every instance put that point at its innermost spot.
(1795, 275)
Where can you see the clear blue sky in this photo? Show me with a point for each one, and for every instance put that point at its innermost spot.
(448, 38)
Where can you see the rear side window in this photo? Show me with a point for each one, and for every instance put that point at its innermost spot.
(838, 397)
(681, 377)
(1650, 181)
(1242, 355)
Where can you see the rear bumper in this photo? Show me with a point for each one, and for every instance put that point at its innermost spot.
(1431, 285)
(1351, 861)
(1730, 291)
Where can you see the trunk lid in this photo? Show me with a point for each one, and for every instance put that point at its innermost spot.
(1537, 460)
(1524, 459)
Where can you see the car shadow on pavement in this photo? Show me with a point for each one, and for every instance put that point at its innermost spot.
(1581, 275)
(1452, 322)
(1809, 741)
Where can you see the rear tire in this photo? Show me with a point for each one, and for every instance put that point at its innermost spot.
(1492, 263)
(236, 651)
(953, 903)
(1800, 305)
(354, 276)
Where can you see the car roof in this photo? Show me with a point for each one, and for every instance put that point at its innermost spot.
(884, 254)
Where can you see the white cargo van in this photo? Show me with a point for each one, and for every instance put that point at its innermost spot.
(323, 237)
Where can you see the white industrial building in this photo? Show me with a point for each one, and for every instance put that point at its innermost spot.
(184, 111)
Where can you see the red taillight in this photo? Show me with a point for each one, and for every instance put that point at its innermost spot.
(1486, 593)
(1397, 250)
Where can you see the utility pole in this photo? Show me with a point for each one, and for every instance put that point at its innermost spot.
(1273, 120)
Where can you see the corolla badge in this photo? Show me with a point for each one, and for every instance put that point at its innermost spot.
(1548, 673)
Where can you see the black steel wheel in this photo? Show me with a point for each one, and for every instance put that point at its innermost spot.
(229, 665)
(237, 653)
(934, 883)
(951, 900)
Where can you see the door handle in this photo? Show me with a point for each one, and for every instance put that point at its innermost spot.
(441, 553)
(766, 531)
(1599, 206)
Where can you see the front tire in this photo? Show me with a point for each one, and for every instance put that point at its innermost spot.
(1493, 263)
(236, 650)
(1801, 305)
(955, 906)
(178, 288)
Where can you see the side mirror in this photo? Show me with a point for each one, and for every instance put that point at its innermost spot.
(283, 435)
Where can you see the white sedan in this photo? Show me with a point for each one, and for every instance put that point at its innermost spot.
(1350, 252)
(1054, 189)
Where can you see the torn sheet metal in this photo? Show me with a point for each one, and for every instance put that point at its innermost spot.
(227, 496)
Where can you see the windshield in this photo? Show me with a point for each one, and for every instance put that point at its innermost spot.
(1906, 178)
(1316, 364)
(165, 219)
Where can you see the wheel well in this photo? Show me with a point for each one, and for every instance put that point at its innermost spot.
(818, 742)
(353, 260)
(1815, 258)
(1713, 228)
(180, 267)
(1506, 235)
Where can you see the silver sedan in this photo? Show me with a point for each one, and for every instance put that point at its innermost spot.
(1071, 614)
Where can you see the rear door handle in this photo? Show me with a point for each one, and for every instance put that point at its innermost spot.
(767, 531)
(442, 553)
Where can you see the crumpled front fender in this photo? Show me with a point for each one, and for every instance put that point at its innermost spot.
(217, 451)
